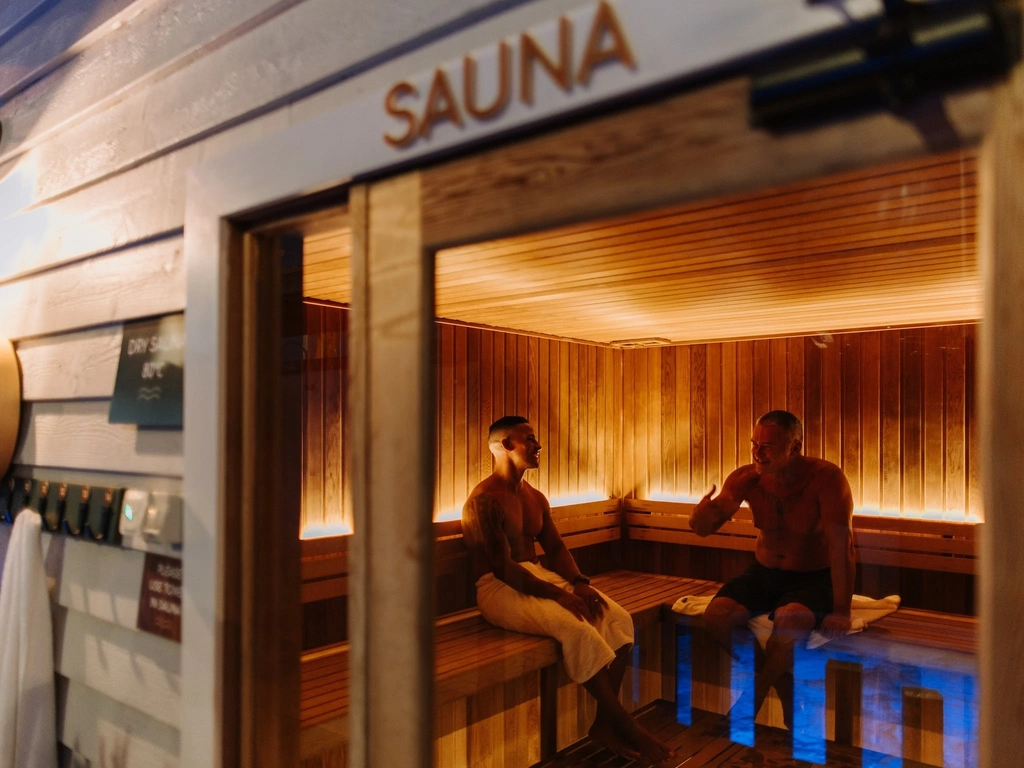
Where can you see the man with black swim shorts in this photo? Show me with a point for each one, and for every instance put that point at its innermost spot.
(804, 565)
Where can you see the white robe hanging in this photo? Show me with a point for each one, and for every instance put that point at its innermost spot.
(28, 731)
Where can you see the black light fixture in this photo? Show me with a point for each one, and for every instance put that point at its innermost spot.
(914, 49)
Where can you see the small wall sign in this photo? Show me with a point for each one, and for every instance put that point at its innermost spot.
(160, 601)
(150, 373)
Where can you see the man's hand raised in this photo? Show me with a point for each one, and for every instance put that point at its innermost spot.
(708, 495)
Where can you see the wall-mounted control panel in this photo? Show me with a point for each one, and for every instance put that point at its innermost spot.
(136, 518)
(153, 515)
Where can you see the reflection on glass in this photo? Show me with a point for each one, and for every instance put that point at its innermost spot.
(643, 349)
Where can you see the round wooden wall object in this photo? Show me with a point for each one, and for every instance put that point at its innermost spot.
(10, 403)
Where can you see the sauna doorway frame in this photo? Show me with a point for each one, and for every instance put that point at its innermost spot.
(399, 223)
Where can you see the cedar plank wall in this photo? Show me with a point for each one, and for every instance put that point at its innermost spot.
(895, 409)
(104, 106)
(570, 392)
(326, 499)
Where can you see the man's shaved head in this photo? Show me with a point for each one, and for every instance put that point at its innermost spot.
(499, 430)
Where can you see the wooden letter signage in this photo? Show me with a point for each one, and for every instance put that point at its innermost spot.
(456, 91)
(150, 374)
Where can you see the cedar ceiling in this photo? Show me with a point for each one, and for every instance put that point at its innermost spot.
(890, 246)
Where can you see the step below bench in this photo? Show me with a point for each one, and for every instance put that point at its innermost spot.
(504, 693)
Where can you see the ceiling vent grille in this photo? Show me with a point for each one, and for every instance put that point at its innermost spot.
(653, 341)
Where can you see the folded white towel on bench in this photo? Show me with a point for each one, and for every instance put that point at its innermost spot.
(863, 611)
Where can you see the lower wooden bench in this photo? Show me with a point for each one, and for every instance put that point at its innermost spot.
(499, 691)
(906, 686)
(472, 656)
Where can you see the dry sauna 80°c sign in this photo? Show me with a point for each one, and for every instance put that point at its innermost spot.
(150, 373)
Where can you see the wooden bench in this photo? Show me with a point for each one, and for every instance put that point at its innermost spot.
(473, 656)
(497, 690)
(931, 545)
(906, 686)
(914, 669)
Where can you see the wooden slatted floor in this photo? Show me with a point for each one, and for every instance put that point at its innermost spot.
(706, 744)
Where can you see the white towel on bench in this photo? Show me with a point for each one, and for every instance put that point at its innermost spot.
(863, 611)
(586, 648)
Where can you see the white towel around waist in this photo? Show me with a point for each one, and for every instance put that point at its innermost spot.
(863, 611)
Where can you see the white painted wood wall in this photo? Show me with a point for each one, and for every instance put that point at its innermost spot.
(104, 106)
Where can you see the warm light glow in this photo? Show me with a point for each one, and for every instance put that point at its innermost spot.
(949, 516)
(323, 531)
(681, 498)
(875, 512)
(455, 513)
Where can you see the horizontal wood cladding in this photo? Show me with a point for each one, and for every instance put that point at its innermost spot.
(14, 12)
(70, 366)
(144, 202)
(135, 668)
(78, 435)
(174, 100)
(895, 409)
(137, 282)
(127, 193)
(887, 245)
(50, 35)
(97, 727)
(116, 61)
(101, 581)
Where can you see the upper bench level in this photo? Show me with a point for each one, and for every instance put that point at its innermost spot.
(925, 545)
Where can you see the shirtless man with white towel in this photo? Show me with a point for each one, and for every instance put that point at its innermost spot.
(501, 521)
(804, 565)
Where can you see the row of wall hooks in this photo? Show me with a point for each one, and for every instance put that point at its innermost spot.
(84, 511)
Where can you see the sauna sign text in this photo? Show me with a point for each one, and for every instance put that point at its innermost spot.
(150, 373)
(509, 76)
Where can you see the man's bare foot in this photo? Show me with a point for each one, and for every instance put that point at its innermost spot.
(652, 749)
(603, 733)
